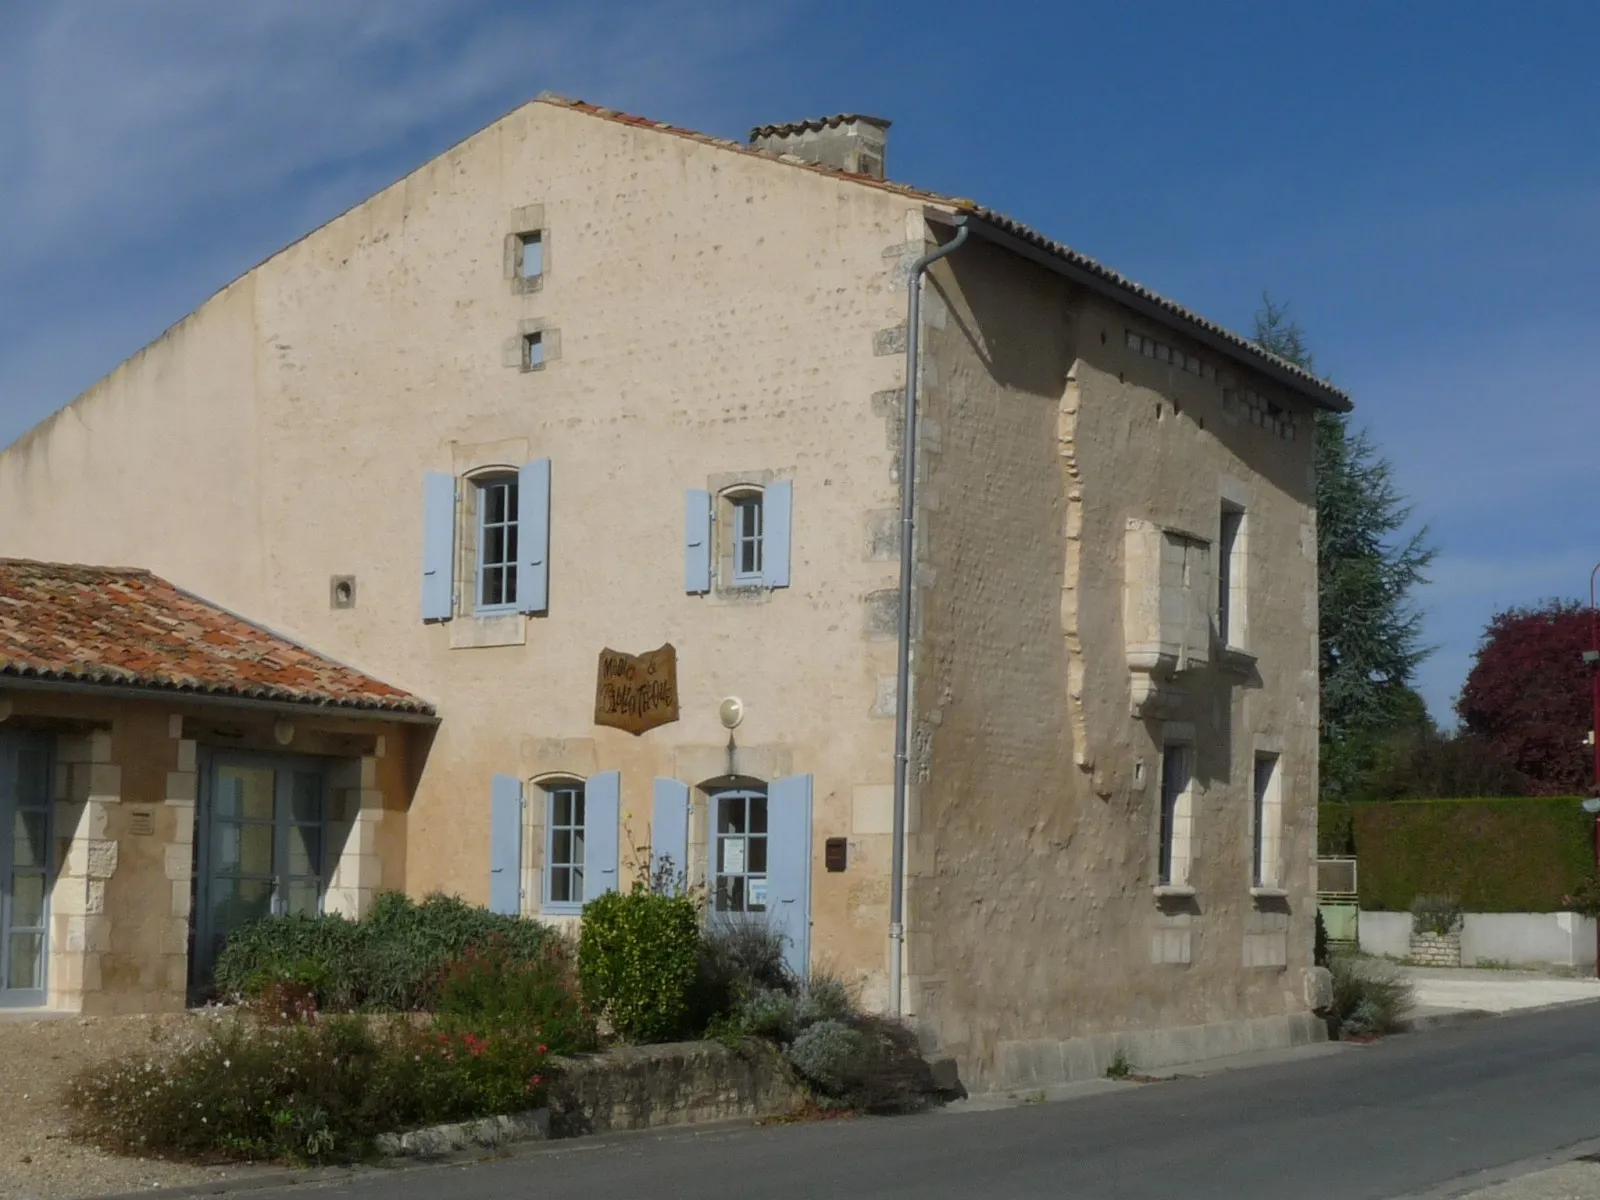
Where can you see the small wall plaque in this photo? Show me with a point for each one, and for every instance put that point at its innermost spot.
(834, 853)
(142, 822)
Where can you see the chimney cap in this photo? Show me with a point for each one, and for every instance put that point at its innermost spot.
(816, 123)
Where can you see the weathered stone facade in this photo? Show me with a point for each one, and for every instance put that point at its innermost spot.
(707, 318)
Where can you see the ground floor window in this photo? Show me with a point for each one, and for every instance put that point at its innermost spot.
(1176, 775)
(564, 845)
(24, 867)
(740, 860)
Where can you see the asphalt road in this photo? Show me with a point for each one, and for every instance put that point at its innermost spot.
(1420, 1114)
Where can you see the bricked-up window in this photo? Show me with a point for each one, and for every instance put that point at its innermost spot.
(530, 254)
(564, 840)
(497, 543)
(1267, 822)
(748, 520)
(1230, 577)
(1176, 817)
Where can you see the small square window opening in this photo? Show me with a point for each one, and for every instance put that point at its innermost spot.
(532, 351)
(747, 538)
(530, 254)
(497, 543)
(564, 844)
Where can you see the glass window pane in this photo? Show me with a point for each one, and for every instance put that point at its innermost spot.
(494, 544)
(29, 845)
(304, 898)
(27, 961)
(560, 885)
(730, 895)
(244, 849)
(511, 500)
(493, 498)
(577, 885)
(245, 792)
(730, 814)
(305, 800)
(577, 847)
(758, 856)
(27, 900)
(561, 847)
(577, 806)
(511, 544)
(561, 807)
(238, 901)
(33, 778)
(758, 814)
(305, 851)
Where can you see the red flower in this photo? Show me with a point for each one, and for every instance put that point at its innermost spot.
(543, 1049)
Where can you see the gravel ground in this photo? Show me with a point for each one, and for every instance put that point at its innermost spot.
(1571, 1181)
(37, 1058)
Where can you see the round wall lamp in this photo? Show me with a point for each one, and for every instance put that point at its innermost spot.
(731, 711)
(282, 732)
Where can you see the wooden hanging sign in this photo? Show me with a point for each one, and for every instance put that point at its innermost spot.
(637, 692)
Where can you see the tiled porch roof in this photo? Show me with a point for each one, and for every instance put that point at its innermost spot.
(120, 626)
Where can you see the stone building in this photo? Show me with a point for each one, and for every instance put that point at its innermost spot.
(586, 383)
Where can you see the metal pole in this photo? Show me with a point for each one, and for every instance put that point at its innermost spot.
(1594, 733)
(908, 561)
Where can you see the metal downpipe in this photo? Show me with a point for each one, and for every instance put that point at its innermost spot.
(908, 555)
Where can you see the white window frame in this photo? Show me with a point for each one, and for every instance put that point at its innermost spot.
(746, 507)
(507, 564)
(1175, 819)
(747, 839)
(576, 827)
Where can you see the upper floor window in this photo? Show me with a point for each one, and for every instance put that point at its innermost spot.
(1266, 823)
(565, 839)
(1230, 577)
(747, 512)
(497, 542)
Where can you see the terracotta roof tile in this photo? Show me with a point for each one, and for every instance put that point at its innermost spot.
(1316, 388)
(127, 627)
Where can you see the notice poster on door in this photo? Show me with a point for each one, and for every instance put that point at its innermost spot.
(756, 891)
(733, 856)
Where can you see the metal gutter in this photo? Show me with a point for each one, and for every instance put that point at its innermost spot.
(908, 556)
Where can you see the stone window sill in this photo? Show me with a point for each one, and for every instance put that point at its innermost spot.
(1269, 893)
(474, 632)
(1174, 891)
(1236, 661)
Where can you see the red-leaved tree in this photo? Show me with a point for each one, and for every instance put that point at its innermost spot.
(1529, 695)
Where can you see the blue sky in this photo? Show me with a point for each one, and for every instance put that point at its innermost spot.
(1420, 180)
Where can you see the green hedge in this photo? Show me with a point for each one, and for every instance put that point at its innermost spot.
(1492, 855)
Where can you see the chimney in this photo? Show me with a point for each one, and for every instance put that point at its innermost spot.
(847, 141)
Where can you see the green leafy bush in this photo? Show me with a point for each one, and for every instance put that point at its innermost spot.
(389, 961)
(736, 960)
(493, 990)
(637, 960)
(1435, 914)
(1369, 997)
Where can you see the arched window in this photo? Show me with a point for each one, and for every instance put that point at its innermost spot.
(746, 526)
(496, 587)
(739, 853)
(565, 837)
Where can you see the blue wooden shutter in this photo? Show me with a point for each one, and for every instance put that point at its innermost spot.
(533, 537)
(697, 541)
(777, 506)
(505, 845)
(602, 815)
(669, 829)
(438, 546)
(789, 868)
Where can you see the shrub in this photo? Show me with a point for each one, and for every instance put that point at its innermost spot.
(490, 990)
(828, 1054)
(1435, 914)
(1319, 942)
(736, 960)
(1369, 997)
(390, 960)
(637, 960)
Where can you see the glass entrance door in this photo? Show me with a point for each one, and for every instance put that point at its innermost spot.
(261, 848)
(24, 868)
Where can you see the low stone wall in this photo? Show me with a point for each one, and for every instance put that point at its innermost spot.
(1504, 939)
(1043, 1063)
(1435, 949)
(646, 1087)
